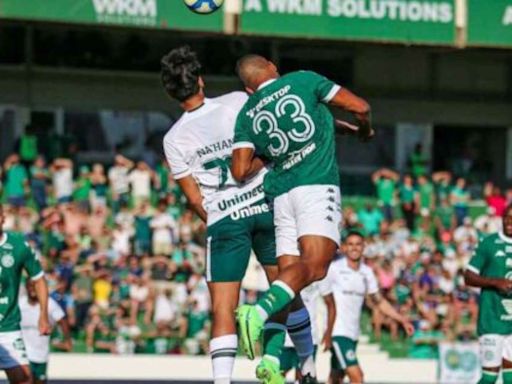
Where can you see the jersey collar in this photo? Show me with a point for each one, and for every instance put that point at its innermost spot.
(264, 84)
(3, 239)
(502, 236)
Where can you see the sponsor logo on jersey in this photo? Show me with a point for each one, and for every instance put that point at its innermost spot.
(507, 306)
(7, 261)
(4, 300)
(508, 263)
(297, 156)
(267, 100)
(508, 249)
(508, 276)
(498, 241)
(250, 211)
(7, 246)
(500, 253)
(240, 198)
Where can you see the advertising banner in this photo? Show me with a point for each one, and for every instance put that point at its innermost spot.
(459, 363)
(490, 22)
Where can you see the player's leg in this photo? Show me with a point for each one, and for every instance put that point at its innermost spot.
(507, 360)
(337, 373)
(297, 319)
(227, 256)
(39, 372)
(13, 358)
(491, 352)
(313, 215)
(345, 351)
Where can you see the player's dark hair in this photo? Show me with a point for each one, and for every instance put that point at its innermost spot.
(353, 232)
(180, 71)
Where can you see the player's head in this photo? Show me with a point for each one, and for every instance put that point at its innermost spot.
(507, 221)
(254, 70)
(354, 245)
(31, 290)
(180, 72)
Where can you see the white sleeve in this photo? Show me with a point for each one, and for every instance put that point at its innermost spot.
(373, 285)
(176, 160)
(55, 311)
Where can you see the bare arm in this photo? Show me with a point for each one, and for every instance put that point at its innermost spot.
(346, 100)
(41, 289)
(387, 309)
(125, 161)
(67, 343)
(245, 164)
(475, 280)
(331, 318)
(191, 190)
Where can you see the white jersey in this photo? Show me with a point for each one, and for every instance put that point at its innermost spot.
(349, 288)
(310, 296)
(38, 347)
(200, 144)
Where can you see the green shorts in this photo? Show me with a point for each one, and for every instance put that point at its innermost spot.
(290, 360)
(39, 370)
(343, 353)
(230, 240)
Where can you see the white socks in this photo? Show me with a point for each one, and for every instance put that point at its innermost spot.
(223, 352)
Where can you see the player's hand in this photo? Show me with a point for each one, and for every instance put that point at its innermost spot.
(504, 286)
(44, 326)
(408, 327)
(327, 342)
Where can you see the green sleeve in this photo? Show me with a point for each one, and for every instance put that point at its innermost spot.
(479, 259)
(242, 131)
(31, 263)
(323, 88)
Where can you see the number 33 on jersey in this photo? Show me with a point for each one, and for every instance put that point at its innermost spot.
(288, 122)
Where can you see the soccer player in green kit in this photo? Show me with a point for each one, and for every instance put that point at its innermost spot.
(16, 256)
(490, 269)
(286, 121)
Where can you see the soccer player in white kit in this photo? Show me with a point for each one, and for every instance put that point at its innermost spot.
(198, 149)
(349, 281)
(37, 345)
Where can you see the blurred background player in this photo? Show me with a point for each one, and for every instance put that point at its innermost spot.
(198, 149)
(37, 345)
(348, 282)
(286, 121)
(16, 256)
(489, 269)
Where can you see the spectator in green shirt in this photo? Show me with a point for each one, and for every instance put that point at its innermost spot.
(370, 218)
(407, 199)
(442, 184)
(445, 218)
(418, 161)
(459, 197)
(385, 181)
(425, 341)
(425, 196)
(143, 218)
(83, 188)
(16, 181)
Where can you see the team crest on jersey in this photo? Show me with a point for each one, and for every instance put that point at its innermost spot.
(7, 261)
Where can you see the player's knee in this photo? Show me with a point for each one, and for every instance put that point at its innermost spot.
(355, 375)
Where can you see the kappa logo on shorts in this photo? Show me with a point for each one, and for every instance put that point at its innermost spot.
(329, 218)
(331, 190)
(329, 208)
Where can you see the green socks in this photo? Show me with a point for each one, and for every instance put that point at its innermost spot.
(507, 376)
(273, 340)
(488, 377)
(276, 298)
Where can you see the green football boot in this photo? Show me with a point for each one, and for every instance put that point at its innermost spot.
(269, 372)
(250, 326)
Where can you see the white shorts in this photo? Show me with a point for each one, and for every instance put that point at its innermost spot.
(306, 210)
(494, 348)
(12, 350)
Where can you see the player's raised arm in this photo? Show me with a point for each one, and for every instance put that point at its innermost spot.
(348, 101)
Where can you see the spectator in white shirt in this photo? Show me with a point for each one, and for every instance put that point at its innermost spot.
(164, 227)
(140, 181)
(62, 177)
(119, 181)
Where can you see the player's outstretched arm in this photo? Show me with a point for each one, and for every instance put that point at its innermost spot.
(244, 164)
(193, 194)
(387, 309)
(475, 280)
(41, 289)
(348, 101)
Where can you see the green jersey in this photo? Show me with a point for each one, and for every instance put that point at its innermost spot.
(493, 258)
(15, 256)
(386, 190)
(426, 192)
(287, 122)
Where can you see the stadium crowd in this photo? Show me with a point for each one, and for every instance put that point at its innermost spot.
(124, 257)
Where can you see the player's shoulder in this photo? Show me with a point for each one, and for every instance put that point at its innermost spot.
(366, 270)
(15, 239)
(232, 99)
(302, 75)
(494, 239)
(174, 131)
